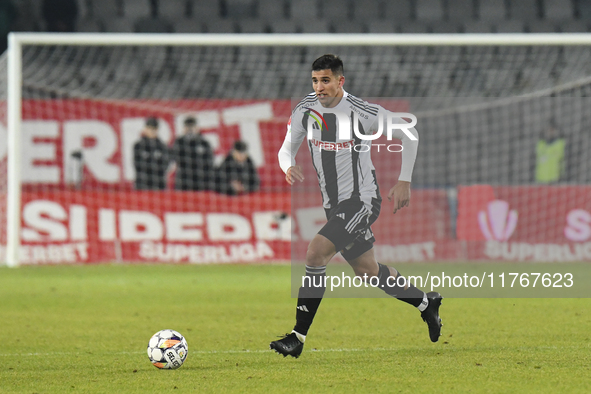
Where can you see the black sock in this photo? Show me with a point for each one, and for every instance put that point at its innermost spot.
(309, 298)
(411, 295)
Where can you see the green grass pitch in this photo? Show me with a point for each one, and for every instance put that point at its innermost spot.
(85, 329)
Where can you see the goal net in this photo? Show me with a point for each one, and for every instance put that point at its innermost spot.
(502, 171)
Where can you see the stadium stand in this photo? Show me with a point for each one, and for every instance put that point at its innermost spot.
(271, 10)
(367, 11)
(524, 10)
(304, 11)
(558, 10)
(173, 9)
(136, 9)
(460, 10)
(429, 10)
(477, 27)
(314, 16)
(398, 10)
(492, 10)
(239, 9)
(337, 10)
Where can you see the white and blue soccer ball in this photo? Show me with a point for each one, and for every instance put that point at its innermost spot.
(167, 349)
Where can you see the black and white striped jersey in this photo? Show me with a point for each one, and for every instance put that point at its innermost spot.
(343, 165)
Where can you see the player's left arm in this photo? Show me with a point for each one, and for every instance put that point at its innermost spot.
(399, 194)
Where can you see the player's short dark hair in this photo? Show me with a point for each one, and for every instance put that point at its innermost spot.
(190, 121)
(329, 61)
(240, 146)
(152, 122)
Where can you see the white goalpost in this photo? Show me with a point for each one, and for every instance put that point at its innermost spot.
(91, 93)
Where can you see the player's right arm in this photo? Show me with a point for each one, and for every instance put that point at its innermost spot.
(293, 139)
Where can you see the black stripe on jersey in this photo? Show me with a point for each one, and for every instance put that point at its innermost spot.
(314, 165)
(305, 126)
(379, 198)
(355, 160)
(376, 205)
(365, 108)
(362, 106)
(308, 100)
(370, 107)
(329, 163)
(304, 102)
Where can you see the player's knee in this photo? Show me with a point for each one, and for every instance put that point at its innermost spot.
(315, 257)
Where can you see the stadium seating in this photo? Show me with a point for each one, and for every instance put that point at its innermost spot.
(429, 10)
(105, 9)
(173, 9)
(239, 9)
(337, 10)
(304, 10)
(524, 10)
(492, 10)
(558, 10)
(455, 76)
(399, 11)
(136, 9)
(315, 16)
(460, 10)
(202, 10)
(271, 10)
(369, 11)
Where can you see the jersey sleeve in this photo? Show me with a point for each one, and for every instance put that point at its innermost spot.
(410, 145)
(296, 133)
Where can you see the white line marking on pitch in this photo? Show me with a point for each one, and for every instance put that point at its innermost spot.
(260, 351)
(193, 352)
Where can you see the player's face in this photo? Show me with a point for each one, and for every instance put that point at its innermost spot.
(328, 87)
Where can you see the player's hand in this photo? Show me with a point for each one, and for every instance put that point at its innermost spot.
(400, 194)
(294, 173)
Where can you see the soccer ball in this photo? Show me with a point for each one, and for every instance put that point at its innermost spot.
(167, 349)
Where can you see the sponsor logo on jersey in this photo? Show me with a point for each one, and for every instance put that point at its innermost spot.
(332, 146)
(316, 118)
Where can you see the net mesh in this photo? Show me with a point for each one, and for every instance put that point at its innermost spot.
(481, 110)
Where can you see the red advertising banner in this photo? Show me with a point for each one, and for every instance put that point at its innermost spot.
(519, 224)
(525, 223)
(196, 227)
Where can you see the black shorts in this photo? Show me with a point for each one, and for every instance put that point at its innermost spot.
(348, 227)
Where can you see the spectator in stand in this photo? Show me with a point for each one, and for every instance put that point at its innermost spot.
(193, 158)
(60, 15)
(154, 23)
(150, 159)
(7, 17)
(237, 174)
